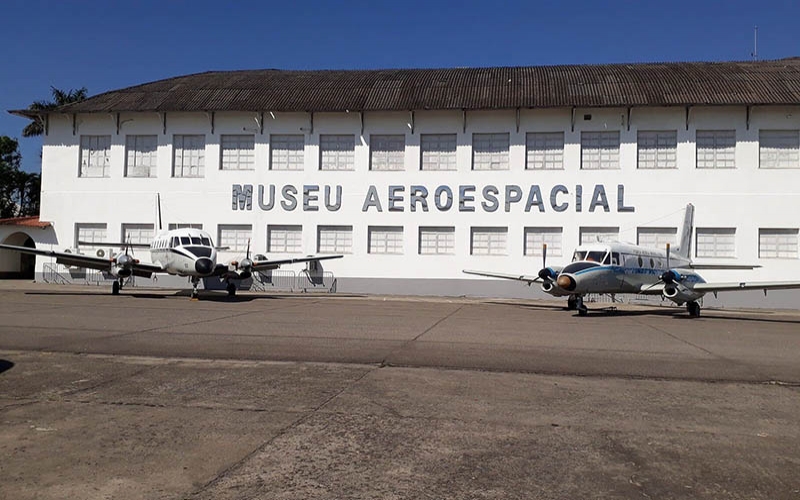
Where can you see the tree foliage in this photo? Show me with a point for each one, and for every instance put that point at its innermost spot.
(19, 190)
(60, 98)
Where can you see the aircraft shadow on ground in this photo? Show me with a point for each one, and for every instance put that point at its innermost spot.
(680, 314)
(5, 365)
(526, 305)
(204, 295)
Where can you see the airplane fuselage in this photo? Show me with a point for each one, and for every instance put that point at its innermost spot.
(185, 252)
(618, 268)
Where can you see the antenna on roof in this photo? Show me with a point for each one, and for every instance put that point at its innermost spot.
(755, 44)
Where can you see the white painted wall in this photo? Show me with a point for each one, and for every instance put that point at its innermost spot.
(746, 197)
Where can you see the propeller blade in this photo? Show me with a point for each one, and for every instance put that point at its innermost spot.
(544, 255)
(247, 254)
(668, 266)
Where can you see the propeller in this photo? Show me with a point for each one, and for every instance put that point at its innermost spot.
(669, 276)
(546, 274)
(246, 264)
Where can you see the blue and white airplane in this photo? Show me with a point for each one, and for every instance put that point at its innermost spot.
(616, 267)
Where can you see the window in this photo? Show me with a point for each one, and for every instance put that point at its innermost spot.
(387, 152)
(716, 242)
(285, 239)
(95, 157)
(490, 151)
(184, 225)
(657, 149)
(286, 152)
(137, 233)
(779, 149)
(238, 152)
(777, 243)
(140, 155)
(189, 155)
(600, 150)
(438, 151)
(89, 235)
(536, 237)
(335, 239)
(385, 239)
(598, 234)
(656, 237)
(716, 148)
(337, 152)
(437, 240)
(488, 240)
(545, 150)
(235, 236)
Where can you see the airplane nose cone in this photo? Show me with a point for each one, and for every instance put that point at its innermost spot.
(566, 282)
(204, 265)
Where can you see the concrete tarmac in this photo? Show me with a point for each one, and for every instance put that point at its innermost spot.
(152, 395)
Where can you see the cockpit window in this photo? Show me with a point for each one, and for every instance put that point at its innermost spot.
(595, 256)
(174, 242)
(185, 240)
(615, 261)
(578, 256)
(206, 241)
(196, 240)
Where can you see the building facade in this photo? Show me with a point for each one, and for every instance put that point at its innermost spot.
(413, 189)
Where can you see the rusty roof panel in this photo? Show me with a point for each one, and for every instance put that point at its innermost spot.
(645, 84)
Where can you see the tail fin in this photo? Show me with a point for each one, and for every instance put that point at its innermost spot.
(685, 246)
(158, 212)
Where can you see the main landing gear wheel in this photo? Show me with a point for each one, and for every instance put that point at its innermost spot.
(572, 303)
(231, 288)
(694, 309)
(116, 286)
(580, 306)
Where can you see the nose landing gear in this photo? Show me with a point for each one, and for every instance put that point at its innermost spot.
(195, 282)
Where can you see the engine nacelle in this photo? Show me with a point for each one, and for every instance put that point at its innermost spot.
(120, 272)
(549, 273)
(680, 294)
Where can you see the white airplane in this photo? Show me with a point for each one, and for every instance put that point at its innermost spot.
(615, 267)
(183, 252)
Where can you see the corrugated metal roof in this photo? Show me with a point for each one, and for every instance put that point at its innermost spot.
(642, 84)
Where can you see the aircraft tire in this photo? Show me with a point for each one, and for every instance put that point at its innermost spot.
(572, 303)
(694, 309)
(582, 310)
(231, 288)
(115, 288)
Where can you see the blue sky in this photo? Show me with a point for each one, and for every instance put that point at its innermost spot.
(105, 45)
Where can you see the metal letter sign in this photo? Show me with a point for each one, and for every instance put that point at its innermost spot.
(414, 198)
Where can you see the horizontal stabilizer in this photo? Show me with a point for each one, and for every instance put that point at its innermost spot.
(112, 244)
(723, 266)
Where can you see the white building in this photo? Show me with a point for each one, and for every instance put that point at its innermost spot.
(416, 175)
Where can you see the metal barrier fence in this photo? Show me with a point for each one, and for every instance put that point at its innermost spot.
(278, 279)
(318, 282)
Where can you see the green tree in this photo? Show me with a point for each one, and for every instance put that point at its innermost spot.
(60, 98)
(19, 190)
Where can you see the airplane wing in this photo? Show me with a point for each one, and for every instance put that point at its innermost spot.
(72, 259)
(266, 265)
(725, 287)
(517, 277)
